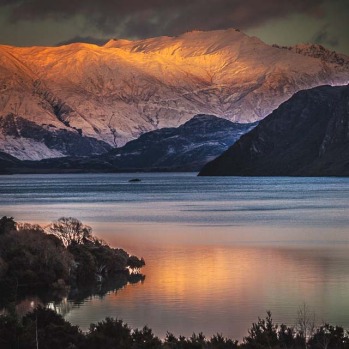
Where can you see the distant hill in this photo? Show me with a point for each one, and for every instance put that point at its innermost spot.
(187, 147)
(306, 136)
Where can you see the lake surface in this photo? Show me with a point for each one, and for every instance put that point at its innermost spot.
(219, 251)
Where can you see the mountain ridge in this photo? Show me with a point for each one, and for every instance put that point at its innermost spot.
(185, 148)
(116, 92)
(318, 51)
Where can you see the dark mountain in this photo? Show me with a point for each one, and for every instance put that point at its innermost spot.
(308, 135)
(186, 148)
(7, 162)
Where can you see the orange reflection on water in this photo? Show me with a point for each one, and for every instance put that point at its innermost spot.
(227, 283)
(224, 285)
(225, 289)
(200, 273)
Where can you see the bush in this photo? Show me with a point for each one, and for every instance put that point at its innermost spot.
(33, 258)
(53, 332)
(109, 334)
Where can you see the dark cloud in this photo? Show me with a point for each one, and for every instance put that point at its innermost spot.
(144, 18)
(324, 37)
(85, 39)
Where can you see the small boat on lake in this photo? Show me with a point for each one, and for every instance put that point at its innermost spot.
(134, 180)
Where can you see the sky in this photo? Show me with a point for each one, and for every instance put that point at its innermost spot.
(283, 22)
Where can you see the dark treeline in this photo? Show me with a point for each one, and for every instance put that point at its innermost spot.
(45, 329)
(64, 255)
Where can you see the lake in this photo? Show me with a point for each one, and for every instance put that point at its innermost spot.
(220, 251)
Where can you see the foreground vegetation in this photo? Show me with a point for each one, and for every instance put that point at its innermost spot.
(45, 329)
(65, 254)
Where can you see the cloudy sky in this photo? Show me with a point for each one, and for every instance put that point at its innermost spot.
(284, 22)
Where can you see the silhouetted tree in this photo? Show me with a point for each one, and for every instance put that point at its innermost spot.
(145, 339)
(263, 334)
(3, 267)
(171, 341)
(31, 257)
(109, 260)
(219, 342)
(10, 330)
(305, 323)
(287, 338)
(86, 268)
(329, 337)
(196, 341)
(7, 224)
(109, 334)
(135, 264)
(48, 330)
(69, 230)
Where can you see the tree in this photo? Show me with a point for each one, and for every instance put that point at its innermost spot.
(219, 342)
(9, 331)
(305, 323)
(135, 264)
(48, 330)
(3, 267)
(329, 337)
(7, 224)
(286, 336)
(31, 258)
(171, 341)
(86, 268)
(263, 334)
(109, 334)
(108, 260)
(70, 230)
(145, 339)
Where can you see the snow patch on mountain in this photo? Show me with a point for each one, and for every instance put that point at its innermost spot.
(28, 149)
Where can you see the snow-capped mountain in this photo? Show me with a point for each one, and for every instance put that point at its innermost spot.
(107, 95)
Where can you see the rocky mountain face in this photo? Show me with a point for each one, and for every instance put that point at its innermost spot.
(306, 136)
(185, 148)
(105, 96)
(319, 52)
(38, 141)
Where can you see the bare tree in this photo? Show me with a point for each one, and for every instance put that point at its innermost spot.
(305, 323)
(69, 230)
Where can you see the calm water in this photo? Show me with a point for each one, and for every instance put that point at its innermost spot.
(219, 251)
